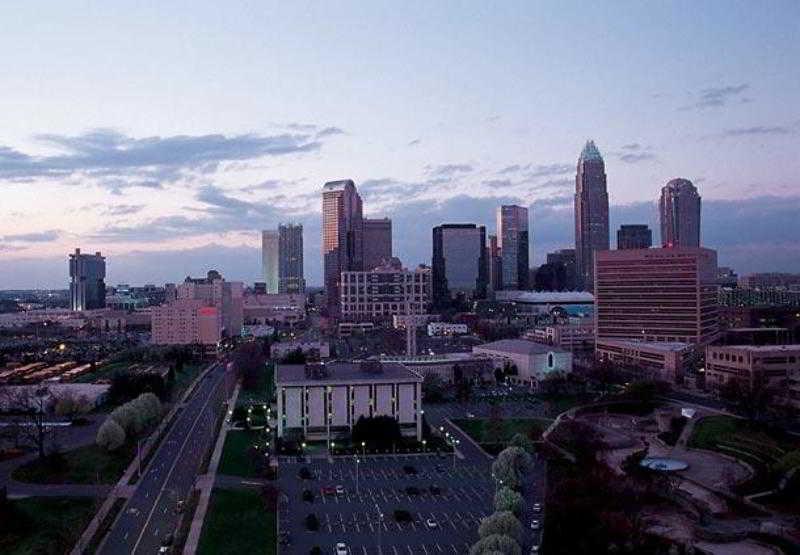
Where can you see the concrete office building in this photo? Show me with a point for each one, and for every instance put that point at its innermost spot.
(342, 237)
(495, 261)
(324, 401)
(636, 236)
(679, 208)
(290, 259)
(388, 290)
(667, 361)
(377, 242)
(591, 213)
(774, 366)
(513, 242)
(459, 262)
(664, 295)
(186, 322)
(270, 254)
(87, 287)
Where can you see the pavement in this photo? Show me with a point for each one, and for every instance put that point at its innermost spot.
(446, 495)
(150, 514)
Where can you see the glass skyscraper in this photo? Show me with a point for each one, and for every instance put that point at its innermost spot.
(591, 213)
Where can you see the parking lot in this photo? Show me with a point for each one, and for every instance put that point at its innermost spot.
(444, 504)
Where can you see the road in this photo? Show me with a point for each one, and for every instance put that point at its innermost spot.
(150, 514)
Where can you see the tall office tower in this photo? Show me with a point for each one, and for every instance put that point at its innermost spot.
(270, 249)
(377, 242)
(513, 240)
(566, 258)
(495, 264)
(662, 295)
(591, 213)
(679, 207)
(342, 236)
(459, 264)
(87, 287)
(634, 236)
(290, 259)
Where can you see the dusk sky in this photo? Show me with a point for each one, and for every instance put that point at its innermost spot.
(166, 136)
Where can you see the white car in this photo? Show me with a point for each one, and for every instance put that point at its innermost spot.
(470, 415)
(339, 490)
(537, 507)
(534, 548)
(534, 524)
(341, 549)
(431, 523)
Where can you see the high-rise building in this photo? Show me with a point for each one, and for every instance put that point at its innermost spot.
(495, 264)
(591, 213)
(513, 241)
(87, 287)
(377, 242)
(635, 236)
(566, 259)
(459, 262)
(270, 249)
(290, 259)
(342, 236)
(679, 207)
(656, 295)
(385, 291)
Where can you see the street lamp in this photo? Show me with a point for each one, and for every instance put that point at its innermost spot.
(358, 461)
(364, 448)
(424, 442)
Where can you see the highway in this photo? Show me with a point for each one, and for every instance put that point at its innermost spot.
(150, 514)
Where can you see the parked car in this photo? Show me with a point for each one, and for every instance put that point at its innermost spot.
(431, 523)
(339, 490)
(537, 507)
(341, 549)
(535, 525)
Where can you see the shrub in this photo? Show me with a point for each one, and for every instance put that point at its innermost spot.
(496, 543)
(506, 499)
(110, 435)
(500, 523)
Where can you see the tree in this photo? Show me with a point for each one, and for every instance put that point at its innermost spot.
(270, 495)
(524, 443)
(110, 435)
(500, 523)
(296, 356)
(496, 543)
(33, 402)
(510, 466)
(249, 362)
(753, 401)
(377, 431)
(506, 499)
(432, 388)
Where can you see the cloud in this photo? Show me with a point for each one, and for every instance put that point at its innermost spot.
(549, 170)
(448, 170)
(11, 248)
(631, 146)
(714, 97)
(329, 131)
(498, 183)
(118, 161)
(415, 142)
(34, 237)
(635, 157)
(124, 209)
(756, 130)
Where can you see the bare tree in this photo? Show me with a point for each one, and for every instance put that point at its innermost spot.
(32, 404)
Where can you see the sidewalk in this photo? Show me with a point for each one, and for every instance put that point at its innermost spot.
(122, 487)
(205, 483)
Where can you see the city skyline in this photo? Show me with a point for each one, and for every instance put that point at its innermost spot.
(158, 177)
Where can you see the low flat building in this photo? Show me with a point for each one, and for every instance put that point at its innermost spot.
(570, 337)
(574, 303)
(446, 328)
(663, 360)
(278, 308)
(379, 294)
(448, 366)
(324, 401)
(534, 361)
(186, 322)
(314, 350)
(777, 366)
(346, 329)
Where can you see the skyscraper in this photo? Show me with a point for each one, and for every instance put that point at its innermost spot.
(290, 259)
(679, 207)
(377, 242)
(270, 248)
(591, 213)
(495, 273)
(512, 239)
(635, 236)
(87, 287)
(342, 236)
(459, 262)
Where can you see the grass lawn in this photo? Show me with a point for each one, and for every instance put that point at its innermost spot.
(184, 378)
(556, 404)
(235, 460)
(44, 525)
(237, 522)
(712, 431)
(84, 465)
(480, 429)
(263, 391)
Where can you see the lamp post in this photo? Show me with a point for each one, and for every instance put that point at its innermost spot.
(424, 443)
(357, 464)
(363, 448)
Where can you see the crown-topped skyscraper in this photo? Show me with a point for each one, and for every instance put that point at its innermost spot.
(591, 213)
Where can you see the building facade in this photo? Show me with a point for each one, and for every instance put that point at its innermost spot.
(667, 295)
(534, 362)
(591, 213)
(459, 262)
(324, 401)
(679, 208)
(377, 242)
(514, 243)
(635, 236)
(87, 287)
(666, 361)
(495, 261)
(342, 237)
(270, 255)
(291, 279)
(379, 294)
(186, 322)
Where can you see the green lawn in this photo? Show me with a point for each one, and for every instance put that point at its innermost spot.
(235, 459)
(44, 525)
(85, 465)
(482, 430)
(237, 522)
(556, 404)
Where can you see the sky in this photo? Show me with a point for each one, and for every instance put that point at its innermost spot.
(167, 135)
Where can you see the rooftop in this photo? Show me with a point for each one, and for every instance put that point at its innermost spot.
(545, 297)
(344, 371)
(760, 348)
(519, 347)
(590, 152)
(669, 346)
